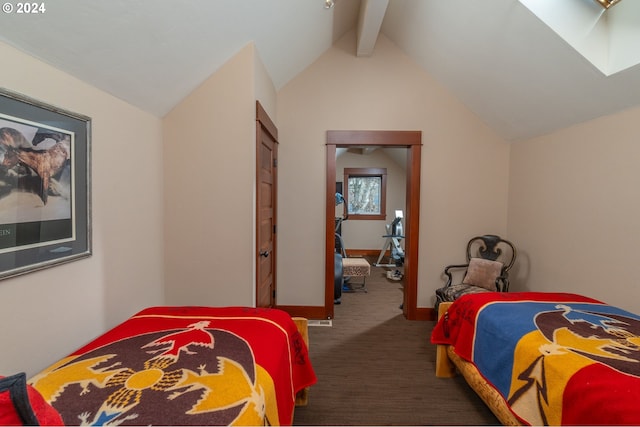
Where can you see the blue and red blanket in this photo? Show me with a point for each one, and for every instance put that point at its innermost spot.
(556, 358)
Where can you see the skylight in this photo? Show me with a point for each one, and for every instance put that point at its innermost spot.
(607, 37)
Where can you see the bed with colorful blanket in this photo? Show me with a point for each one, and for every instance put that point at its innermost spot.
(544, 358)
(184, 366)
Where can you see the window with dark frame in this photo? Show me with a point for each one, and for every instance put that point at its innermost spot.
(365, 193)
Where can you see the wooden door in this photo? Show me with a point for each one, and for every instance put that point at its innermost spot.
(266, 212)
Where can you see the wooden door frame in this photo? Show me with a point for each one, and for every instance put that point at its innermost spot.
(264, 123)
(412, 140)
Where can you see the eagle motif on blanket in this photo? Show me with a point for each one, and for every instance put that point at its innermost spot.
(202, 373)
(577, 340)
(555, 358)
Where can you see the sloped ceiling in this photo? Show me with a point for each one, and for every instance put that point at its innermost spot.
(496, 56)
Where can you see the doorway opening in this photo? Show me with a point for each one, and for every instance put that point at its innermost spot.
(412, 140)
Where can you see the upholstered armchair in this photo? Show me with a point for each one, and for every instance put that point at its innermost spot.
(489, 259)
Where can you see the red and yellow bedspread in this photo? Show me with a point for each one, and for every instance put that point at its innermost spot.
(556, 358)
(184, 366)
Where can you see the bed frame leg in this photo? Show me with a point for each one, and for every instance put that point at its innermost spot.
(444, 367)
(302, 397)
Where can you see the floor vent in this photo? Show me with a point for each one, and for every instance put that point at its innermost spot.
(322, 322)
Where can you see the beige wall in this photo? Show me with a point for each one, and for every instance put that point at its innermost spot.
(367, 234)
(464, 163)
(264, 90)
(209, 167)
(574, 210)
(47, 314)
(187, 184)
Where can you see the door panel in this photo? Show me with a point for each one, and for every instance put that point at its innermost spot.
(266, 218)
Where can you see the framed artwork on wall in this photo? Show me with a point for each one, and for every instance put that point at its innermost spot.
(45, 185)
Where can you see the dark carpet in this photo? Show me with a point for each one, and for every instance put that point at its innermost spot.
(374, 367)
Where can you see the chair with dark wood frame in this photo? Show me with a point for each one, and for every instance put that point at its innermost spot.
(487, 251)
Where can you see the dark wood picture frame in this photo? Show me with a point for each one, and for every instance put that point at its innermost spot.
(45, 185)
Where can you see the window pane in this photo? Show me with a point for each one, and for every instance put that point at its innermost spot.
(364, 195)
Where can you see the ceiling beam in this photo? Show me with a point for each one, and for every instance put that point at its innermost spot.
(369, 23)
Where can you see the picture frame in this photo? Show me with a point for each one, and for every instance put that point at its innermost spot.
(45, 185)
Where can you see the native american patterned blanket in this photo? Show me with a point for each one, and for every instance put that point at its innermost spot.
(556, 358)
(184, 366)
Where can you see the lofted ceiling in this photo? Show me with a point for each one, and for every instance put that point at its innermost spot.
(496, 56)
